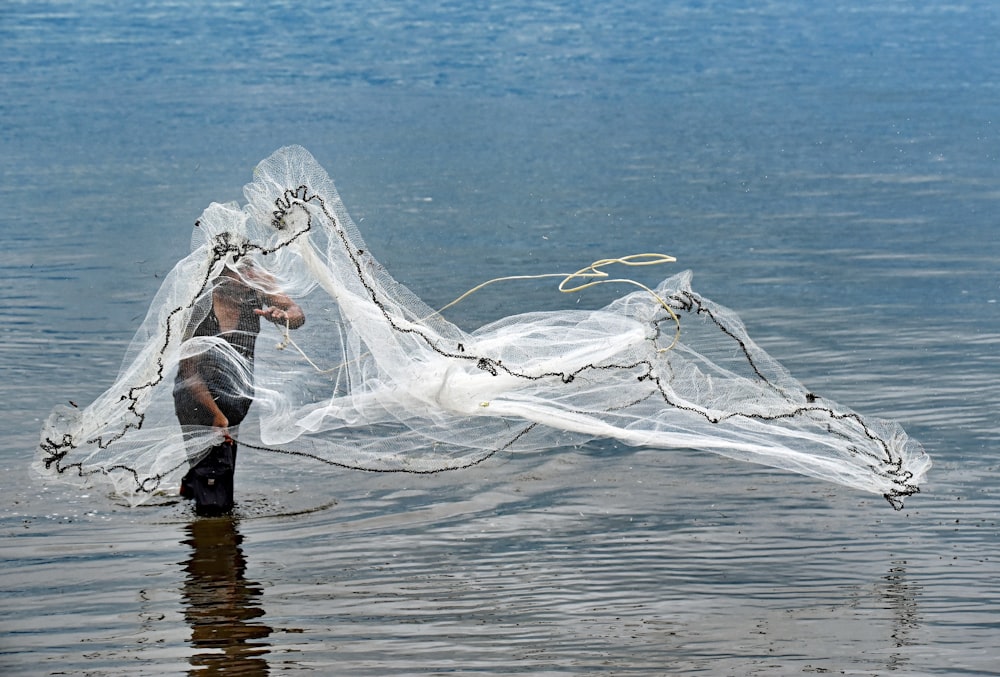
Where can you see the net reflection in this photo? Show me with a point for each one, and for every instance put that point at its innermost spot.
(221, 605)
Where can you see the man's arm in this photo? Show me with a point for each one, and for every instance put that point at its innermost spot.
(282, 310)
(195, 384)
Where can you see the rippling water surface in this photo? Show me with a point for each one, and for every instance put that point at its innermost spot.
(829, 171)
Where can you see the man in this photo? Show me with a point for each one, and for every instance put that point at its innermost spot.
(214, 387)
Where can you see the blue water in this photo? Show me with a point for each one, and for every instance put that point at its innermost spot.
(829, 170)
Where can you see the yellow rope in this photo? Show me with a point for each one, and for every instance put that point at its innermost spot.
(596, 276)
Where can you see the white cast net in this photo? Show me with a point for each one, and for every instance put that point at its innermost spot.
(376, 380)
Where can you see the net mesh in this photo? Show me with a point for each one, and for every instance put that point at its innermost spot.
(377, 380)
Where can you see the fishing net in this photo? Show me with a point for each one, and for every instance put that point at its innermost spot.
(376, 380)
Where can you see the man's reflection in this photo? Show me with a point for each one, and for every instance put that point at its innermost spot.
(221, 604)
(900, 597)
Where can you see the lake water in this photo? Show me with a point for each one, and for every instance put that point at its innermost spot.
(829, 170)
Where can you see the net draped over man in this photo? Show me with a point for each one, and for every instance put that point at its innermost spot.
(382, 382)
(214, 386)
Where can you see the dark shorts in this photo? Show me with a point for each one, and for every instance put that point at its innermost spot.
(210, 481)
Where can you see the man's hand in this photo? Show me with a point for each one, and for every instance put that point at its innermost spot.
(222, 423)
(283, 311)
(274, 314)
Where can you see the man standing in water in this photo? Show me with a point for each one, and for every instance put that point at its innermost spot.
(214, 386)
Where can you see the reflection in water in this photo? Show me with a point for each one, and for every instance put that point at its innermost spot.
(221, 604)
(900, 597)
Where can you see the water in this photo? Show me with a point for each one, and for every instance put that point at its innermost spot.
(829, 171)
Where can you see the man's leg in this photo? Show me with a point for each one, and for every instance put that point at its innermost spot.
(210, 481)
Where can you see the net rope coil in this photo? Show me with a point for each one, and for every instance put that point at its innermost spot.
(377, 380)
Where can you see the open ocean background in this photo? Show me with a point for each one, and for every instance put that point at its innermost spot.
(830, 170)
